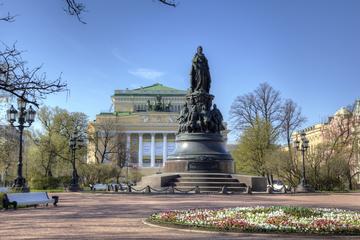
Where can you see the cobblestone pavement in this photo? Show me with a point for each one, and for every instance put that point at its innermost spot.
(120, 216)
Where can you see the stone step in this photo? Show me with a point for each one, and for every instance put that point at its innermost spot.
(205, 179)
(217, 184)
(205, 175)
(213, 189)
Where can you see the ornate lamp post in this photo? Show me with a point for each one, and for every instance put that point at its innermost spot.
(75, 142)
(22, 116)
(303, 186)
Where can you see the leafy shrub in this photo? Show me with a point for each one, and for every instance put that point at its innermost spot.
(64, 180)
(45, 183)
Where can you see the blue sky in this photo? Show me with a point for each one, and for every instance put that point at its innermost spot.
(308, 50)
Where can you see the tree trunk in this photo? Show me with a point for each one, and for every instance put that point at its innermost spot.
(268, 179)
(350, 182)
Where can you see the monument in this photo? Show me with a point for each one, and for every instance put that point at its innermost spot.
(199, 144)
(200, 158)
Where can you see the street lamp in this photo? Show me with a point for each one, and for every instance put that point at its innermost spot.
(303, 186)
(75, 142)
(22, 116)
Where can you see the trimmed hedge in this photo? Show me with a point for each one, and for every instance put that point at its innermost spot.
(45, 183)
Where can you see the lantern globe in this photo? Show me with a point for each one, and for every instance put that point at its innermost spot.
(30, 115)
(12, 114)
(297, 144)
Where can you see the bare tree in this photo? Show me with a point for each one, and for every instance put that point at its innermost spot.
(107, 140)
(264, 103)
(292, 119)
(343, 137)
(76, 8)
(336, 160)
(120, 154)
(282, 118)
(243, 113)
(28, 84)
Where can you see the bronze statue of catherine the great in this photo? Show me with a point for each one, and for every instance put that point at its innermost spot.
(200, 74)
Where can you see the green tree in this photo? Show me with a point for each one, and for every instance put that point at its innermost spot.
(50, 154)
(253, 149)
(262, 119)
(8, 153)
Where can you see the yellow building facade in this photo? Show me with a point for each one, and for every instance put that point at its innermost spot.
(320, 133)
(315, 133)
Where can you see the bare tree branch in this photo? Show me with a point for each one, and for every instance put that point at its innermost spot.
(168, 2)
(28, 84)
(8, 18)
(265, 103)
(75, 9)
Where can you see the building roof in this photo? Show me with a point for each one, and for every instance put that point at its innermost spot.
(342, 112)
(155, 89)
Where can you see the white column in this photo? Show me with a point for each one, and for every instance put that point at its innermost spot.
(152, 150)
(140, 149)
(128, 139)
(165, 148)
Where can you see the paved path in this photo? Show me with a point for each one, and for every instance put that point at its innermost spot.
(119, 216)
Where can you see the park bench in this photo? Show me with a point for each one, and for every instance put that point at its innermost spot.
(100, 186)
(28, 199)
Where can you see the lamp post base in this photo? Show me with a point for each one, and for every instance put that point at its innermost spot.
(74, 184)
(20, 185)
(74, 188)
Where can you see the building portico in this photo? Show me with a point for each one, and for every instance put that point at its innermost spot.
(156, 148)
(146, 118)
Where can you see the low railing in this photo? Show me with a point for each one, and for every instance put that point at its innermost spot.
(175, 190)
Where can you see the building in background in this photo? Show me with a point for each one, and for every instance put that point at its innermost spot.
(4, 105)
(345, 122)
(146, 118)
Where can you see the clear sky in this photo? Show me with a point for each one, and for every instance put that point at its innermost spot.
(308, 50)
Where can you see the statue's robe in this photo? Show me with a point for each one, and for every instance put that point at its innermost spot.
(200, 74)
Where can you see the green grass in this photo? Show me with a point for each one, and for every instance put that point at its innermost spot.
(298, 212)
(55, 190)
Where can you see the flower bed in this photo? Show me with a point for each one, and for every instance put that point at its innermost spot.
(264, 219)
